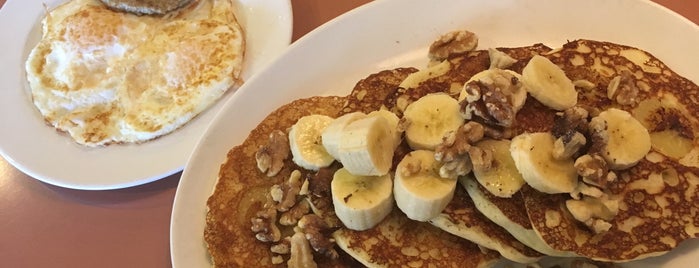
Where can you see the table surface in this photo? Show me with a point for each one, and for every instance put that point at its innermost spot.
(47, 226)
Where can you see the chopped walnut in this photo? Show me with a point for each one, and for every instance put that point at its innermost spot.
(571, 120)
(481, 160)
(277, 259)
(283, 247)
(317, 233)
(292, 216)
(452, 43)
(301, 252)
(586, 190)
(290, 189)
(320, 197)
(593, 169)
(568, 145)
(495, 99)
(264, 225)
(622, 89)
(456, 144)
(270, 157)
(457, 167)
(584, 84)
(593, 212)
(598, 225)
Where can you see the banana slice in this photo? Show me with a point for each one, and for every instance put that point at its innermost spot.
(419, 190)
(414, 79)
(305, 142)
(366, 146)
(392, 122)
(533, 157)
(333, 132)
(430, 118)
(627, 140)
(502, 79)
(502, 179)
(548, 84)
(361, 202)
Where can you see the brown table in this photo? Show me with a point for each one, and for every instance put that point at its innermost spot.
(47, 226)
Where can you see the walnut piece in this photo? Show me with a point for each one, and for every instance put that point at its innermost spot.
(264, 225)
(452, 43)
(301, 252)
(318, 234)
(453, 152)
(290, 189)
(622, 89)
(482, 160)
(456, 144)
(270, 157)
(458, 167)
(495, 98)
(593, 169)
(292, 216)
(568, 145)
(593, 212)
(571, 120)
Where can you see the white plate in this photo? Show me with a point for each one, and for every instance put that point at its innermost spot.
(392, 33)
(39, 151)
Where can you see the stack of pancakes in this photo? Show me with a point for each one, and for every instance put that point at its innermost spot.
(658, 197)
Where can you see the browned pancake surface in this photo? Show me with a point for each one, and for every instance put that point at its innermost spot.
(659, 198)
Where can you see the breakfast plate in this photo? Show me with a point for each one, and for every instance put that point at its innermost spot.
(332, 58)
(41, 152)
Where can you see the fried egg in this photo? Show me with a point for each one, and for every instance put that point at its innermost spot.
(105, 76)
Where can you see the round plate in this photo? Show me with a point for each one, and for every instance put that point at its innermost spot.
(332, 58)
(40, 151)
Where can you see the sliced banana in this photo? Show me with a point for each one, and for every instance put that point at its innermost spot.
(502, 179)
(333, 132)
(366, 146)
(429, 119)
(361, 202)
(305, 142)
(392, 122)
(627, 140)
(502, 79)
(414, 79)
(533, 157)
(548, 84)
(419, 190)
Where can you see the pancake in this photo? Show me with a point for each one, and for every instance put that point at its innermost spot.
(462, 219)
(656, 197)
(111, 77)
(510, 214)
(242, 190)
(400, 242)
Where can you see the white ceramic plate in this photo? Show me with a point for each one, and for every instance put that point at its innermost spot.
(41, 152)
(392, 33)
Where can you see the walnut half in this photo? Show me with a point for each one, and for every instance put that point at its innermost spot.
(270, 157)
(452, 43)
